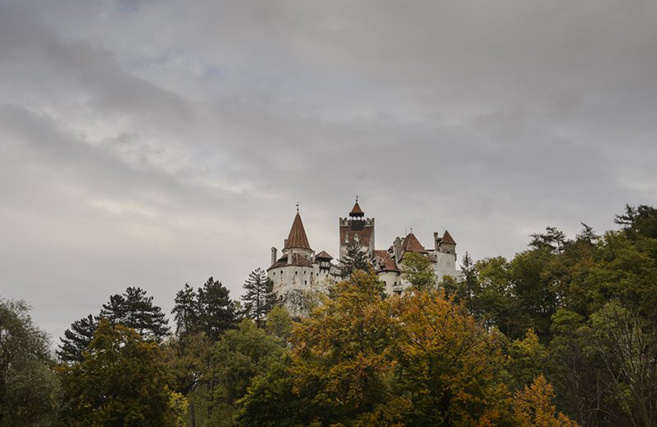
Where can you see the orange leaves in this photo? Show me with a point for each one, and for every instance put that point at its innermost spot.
(533, 407)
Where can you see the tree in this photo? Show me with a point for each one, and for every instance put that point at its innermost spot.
(640, 221)
(450, 367)
(259, 297)
(417, 269)
(354, 259)
(122, 381)
(279, 324)
(469, 281)
(186, 311)
(29, 391)
(629, 348)
(240, 355)
(533, 407)
(135, 310)
(216, 311)
(361, 359)
(342, 361)
(528, 359)
(552, 240)
(188, 362)
(77, 339)
(494, 301)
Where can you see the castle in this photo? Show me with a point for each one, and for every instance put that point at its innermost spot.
(300, 272)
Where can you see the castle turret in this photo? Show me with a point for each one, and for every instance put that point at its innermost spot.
(445, 255)
(357, 229)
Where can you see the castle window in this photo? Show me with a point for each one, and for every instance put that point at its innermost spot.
(305, 282)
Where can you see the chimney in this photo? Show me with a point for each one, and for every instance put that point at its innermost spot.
(273, 255)
(289, 257)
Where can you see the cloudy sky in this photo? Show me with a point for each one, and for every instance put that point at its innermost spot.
(156, 143)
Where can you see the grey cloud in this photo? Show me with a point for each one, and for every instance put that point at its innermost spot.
(156, 143)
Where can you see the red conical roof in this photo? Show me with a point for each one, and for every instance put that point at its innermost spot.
(447, 238)
(297, 237)
(412, 244)
(356, 210)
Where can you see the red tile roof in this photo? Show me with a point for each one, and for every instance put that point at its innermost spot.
(323, 255)
(297, 237)
(412, 244)
(356, 210)
(385, 261)
(447, 238)
(298, 260)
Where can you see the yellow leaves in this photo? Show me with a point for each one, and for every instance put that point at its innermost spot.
(533, 407)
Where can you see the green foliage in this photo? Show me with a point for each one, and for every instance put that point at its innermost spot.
(628, 346)
(240, 355)
(279, 324)
(186, 311)
(77, 339)
(136, 310)
(29, 390)
(529, 359)
(122, 381)
(216, 311)
(417, 269)
(354, 259)
(259, 297)
(637, 222)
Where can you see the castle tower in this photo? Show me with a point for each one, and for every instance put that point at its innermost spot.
(297, 241)
(293, 273)
(445, 255)
(357, 229)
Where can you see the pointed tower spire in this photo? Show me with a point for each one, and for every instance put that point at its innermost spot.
(447, 239)
(297, 237)
(356, 210)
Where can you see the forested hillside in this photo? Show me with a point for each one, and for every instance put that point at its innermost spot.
(564, 333)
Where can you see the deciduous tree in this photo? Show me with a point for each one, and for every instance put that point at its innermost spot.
(29, 390)
(122, 381)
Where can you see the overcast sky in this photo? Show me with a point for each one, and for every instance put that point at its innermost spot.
(157, 143)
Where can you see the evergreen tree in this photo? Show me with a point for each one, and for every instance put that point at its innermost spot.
(353, 260)
(552, 240)
(259, 297)
(469, 279)
(77, 339)
(216, 310)
(185, 311)
(640, 221)
(135, 310)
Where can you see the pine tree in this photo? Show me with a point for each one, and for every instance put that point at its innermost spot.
(469, 279)
(353, 260)
(135, 310)
(185, 311)
(216, 310)
(77, 339)
(259, 297)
